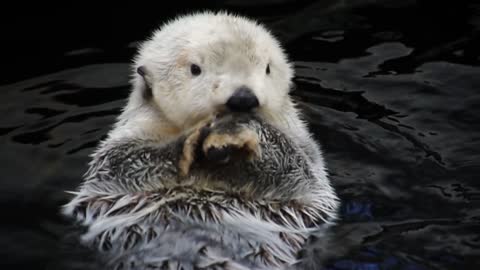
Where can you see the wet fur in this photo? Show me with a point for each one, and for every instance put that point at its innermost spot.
(245, 214)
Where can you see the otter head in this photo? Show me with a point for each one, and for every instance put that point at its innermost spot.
(201, 64)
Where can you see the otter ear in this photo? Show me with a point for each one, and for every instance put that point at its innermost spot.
(147, 78)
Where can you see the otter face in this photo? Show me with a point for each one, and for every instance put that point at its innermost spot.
(206, 63)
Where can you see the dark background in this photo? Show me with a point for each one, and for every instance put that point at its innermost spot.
(390, 88)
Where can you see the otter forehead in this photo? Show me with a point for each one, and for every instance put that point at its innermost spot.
(214, 38)
(220, 50)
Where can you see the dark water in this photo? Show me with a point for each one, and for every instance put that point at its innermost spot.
(391, 90)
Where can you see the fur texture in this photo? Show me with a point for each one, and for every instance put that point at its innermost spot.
(181, 183)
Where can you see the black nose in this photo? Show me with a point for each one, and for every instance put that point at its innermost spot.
(243, 100)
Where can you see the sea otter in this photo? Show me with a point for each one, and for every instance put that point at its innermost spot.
(209, 165)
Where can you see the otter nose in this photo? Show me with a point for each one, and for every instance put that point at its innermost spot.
(242, 100)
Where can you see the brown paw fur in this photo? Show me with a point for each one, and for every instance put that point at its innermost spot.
(221, 147)
(191, 144)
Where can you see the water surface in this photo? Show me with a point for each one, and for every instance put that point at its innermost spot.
(391, 91)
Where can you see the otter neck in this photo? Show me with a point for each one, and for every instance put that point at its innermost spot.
(145, 121)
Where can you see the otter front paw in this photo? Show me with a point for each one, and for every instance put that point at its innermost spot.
(221, 147)
(191, 143)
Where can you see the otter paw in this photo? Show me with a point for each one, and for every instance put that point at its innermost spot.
(190, 146)
(221, 147)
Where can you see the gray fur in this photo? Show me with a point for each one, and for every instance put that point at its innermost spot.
(141, 213)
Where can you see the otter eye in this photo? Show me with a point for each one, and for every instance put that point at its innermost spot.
(268, 69)
(195, 69)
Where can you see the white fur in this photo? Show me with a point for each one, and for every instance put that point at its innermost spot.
(232, 51)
